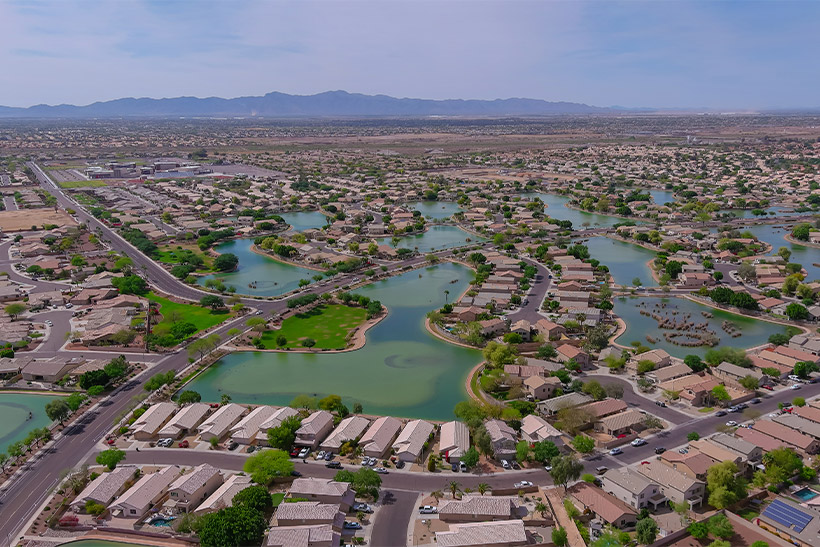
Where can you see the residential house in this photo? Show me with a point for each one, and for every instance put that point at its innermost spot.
(246, 430)
(473, 508)
(324, 491)
(185, 421)
(313, 535)
(541, 388)
(765, 442)
(105, 487)
(694, 464)
(146, 492)
(505, 533)
(492, 327)
(672, 372)
(799, 423)
(789, 436)
(303, 513)
(604, 506)
(658, 357)
(601, 409)
(503, 439)
(219, 424)
(716, 452)
(536, 429)
(567, 352)
(549, 329)
(379, 437)
(191, 489)
(275, 420)
(674, 485)
(152, 420)
(570, 400)
(222, 497)
(733, 374)
(632, 488)
(621, 423)
(454, 441)
(410, 442)
(349, 429)
(749, 452)
(49, 370)
(314, 429)
(798, 524)
(523, 328)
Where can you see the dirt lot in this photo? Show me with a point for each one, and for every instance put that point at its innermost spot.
(24, 219)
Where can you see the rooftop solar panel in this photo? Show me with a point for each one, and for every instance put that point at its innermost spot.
(787, 515)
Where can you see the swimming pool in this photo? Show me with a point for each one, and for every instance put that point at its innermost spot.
(806, 494)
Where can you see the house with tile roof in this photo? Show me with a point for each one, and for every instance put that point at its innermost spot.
(149, 490)
(223, 496)
(503, 439)
(674, 485)
(349, 429)
(323, 490)
(604, 506)
(219, 424)
(454, 441)
(536, 429)
(274, 421)
(632, 488)
(192, 488)
(302, 513)
(185, 421)
(105, 487)
(152, 420)
(314, 535)
(410, 442)
(507, 533)
(379, 437)
(314, 429)
(473, 508)
(247, 429)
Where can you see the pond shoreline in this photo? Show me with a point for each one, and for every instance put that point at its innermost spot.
(793, 241)
(255, 248)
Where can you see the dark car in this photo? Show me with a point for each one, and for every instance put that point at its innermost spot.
(755, 401)
(233, 445)
(295, 474)
(329, 456)
(660, 403)
(400, 464)
(720, 413)
(660, 450)
(334, 465)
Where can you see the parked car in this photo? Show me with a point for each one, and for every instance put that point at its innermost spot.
(755, 401)
(638, 442)
(428, 509)
(363, 507)
(731, 423)
(293, 453)
(454, 467)
(601, 470)
(720, 413)
(660, 403)
(615, 451)
(683, 451)
(794, 377)
(547, 468)
(400, 464)
(184, 444)
(463, 467)
(795, 386)
(505, 464)
(522, 484)
(320, 455)
(49, 323)
(334, 465)
(660, 450)
(304, 452)
(295, 474)
(350, 525)
(328, 456)
(381, 470)
(251, 450)
(768, 387)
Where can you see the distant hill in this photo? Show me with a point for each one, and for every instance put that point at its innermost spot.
(281, 105)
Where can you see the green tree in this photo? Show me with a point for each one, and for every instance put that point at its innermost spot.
(57, 410)
(283, 435)
(226, 262)
(720, 527)
(305, 402)
(583, 444)
(565, 469)
(365, 481)
(559, 537)
(698, 530)
(232, 526)
(110, 458)
(265, 466)
(797, 312)
(646, 530)
(254, 497)
(117, 367)
(14, 309)
(470, 457)
(545, 451)
(693, 436)
(720, 394)
(723, 485)
(189, 396)
(522, 451)
(212, 301)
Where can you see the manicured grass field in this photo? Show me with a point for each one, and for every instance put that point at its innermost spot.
(81, 184)
(328, 325)
(167, 255)
(202, 318)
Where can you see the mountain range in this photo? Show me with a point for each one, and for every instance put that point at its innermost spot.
(282, 105)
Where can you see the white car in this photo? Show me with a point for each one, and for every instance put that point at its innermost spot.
(428, 509)
(505, 464)
(794, 378)
(615, 452)
(638, 442)
(522, 484)
(49, 323)
(381, 470)
(304, 452)
(795, 386)
(731, 423)
(362, 507)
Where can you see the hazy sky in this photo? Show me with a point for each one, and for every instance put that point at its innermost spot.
(719, 54)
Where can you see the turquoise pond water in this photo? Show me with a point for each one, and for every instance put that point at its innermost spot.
(435, 209)
(806, 494)
(401, 371)
(304, 220)
(272, 278)
(753, 332)
(14, 410)
(661, 197)
(624, 260)
(774, 235)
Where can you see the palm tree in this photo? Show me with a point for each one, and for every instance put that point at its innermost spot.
(437, 495)
(455, 488)
(446, 294)
(483, 487)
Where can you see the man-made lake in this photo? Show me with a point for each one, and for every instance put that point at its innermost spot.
(661, 197)
(402, 370)
(305, 220)
(435, 209)
(753, 332)
(14, 409)
(580, 219)
(272, 278)
(774, 235)
(435, 238)
(770, 212)
(625, 261)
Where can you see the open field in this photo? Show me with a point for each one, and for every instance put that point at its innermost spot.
(202, 318)
(328, 325)
(82, 184)
(24, 219)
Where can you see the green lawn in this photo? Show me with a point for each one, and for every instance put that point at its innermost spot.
(328, 325)
(277, 498)
(167, 255)
(203, 318)
(82, 184)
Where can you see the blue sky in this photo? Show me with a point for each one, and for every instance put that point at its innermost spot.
(718, 54)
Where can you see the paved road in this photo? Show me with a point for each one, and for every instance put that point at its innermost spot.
(633, 399)
(541, 284)
(10, 203)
